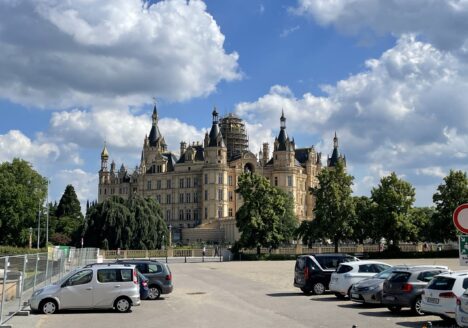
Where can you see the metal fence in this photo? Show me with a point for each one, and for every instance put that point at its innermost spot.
(21, 275)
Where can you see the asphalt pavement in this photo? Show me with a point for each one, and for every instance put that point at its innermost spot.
(240, 294)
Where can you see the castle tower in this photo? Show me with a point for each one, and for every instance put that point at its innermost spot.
(336, 156)
(234, 135)
(104, 175)
(284, 148)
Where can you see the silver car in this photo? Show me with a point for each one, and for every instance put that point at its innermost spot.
(97, 286)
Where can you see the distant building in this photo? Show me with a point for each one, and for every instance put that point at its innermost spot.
(196, 190)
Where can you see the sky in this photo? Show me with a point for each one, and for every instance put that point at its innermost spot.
(389, 77)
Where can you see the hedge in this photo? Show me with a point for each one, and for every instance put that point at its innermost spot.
(11, 250)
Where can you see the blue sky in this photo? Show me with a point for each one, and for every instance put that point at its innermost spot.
(390, 77)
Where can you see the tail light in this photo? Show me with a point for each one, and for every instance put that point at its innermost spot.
(306, 273)
(145, 283)
(458, 301)
(407, 288)
(169, 277)
(135, 277)
(447, 295)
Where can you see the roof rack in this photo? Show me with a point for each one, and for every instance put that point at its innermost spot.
(106, 264)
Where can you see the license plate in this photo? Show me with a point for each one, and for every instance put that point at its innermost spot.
(432, 300)
(354, 295)
(390, 298)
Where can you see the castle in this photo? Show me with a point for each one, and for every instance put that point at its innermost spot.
(196, 190)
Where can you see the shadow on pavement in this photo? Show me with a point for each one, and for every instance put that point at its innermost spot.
(287, 294)
(435, 324)
(326, 299)
(87, 311)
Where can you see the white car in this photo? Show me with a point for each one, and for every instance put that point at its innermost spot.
(441, 294)
(461, 311)
(349, 273)
(102, 286)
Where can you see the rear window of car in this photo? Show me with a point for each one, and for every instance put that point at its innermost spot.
(300, 263)
(344, 268)
(399, 277)
(154, 268)
(332, 262)
(114, 275)
(441, 283)
(465, 283)
(427, 276)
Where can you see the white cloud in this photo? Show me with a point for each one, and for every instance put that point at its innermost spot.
(288, 31)
(435, 171)
(16, 144)
(443, 23)
(95, 53)
(84, 183)
(123, 131)
(406, 111)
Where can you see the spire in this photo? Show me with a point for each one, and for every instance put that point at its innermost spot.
(282, 120)
(335, 157)
(215, 133)
(104, 153)
(215, 116)
(155, 135)
(283, 136)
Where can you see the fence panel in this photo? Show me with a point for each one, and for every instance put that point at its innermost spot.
(21, 275)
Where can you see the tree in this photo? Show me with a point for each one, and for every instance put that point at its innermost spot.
(423, 219)
(334, 207)
(364, 223)
(393, 199)
(117, 223)
(149, 225)
(309, 232)
(22, 195)
(69, 219)
(69, 205)
(450, 194)
(266, 218)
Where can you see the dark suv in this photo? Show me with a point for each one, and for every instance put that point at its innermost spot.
(159, 276)
(312, 273)
(403, 288)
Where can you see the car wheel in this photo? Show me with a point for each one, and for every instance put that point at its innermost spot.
(416, 308)
(48, 306)
(122, 305)
(318, 288)
(305, 290)
(154, 293)
(339, 296)
(394, 308)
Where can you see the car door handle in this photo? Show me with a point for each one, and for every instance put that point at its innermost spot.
(116, 286)
(89, 288)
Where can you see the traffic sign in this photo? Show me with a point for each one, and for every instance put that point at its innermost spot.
(460, 218)
(463, 250)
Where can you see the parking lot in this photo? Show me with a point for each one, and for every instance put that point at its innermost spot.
(241, 294)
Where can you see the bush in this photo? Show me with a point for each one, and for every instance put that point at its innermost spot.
(394, 254)
(11, 250)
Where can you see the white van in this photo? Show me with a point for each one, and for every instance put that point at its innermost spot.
(94, 286)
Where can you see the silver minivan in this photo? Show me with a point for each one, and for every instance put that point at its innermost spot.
(103, 286)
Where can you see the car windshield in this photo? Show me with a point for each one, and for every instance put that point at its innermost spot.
(384, 274)
(68, 275)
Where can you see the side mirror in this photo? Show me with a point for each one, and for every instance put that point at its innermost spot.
(65, 284)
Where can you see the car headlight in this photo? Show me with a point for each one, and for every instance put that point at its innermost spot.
(36, 293)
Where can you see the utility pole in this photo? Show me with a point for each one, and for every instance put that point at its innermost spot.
(47, 219)
(38, 226)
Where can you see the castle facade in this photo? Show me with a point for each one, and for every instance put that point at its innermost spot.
(196, 189)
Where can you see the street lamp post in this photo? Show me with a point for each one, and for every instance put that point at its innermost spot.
(47, 218)
(170, 235)
(39, 226)
(30, 237)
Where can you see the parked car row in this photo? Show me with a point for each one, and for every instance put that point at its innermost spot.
(118, 286)
(426, 289)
